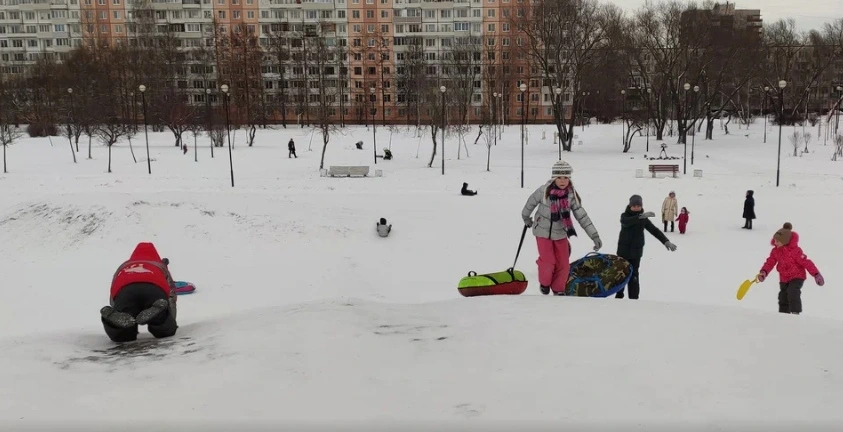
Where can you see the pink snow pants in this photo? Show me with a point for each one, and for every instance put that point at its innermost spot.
(553, 263)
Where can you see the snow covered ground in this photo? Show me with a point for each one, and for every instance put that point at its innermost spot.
(301, 306)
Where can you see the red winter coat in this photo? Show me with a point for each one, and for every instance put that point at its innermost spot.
(790, 261)
(144, 266)
(683, 219)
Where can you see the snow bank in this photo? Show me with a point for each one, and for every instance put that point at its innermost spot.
(527, 360)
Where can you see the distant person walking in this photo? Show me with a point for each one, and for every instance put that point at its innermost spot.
(748, 209)
(291, 146)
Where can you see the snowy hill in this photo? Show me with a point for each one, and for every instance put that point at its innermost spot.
(277, 257)
(524, 360)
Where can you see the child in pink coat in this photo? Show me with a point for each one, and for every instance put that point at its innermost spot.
(683, 220)
(792, 264)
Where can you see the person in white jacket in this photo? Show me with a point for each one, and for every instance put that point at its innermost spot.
(382, 228)
(555, 202)
(670, 209)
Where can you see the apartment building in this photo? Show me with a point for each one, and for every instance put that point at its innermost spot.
(372, 42)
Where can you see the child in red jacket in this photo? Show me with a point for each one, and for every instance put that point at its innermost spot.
(683, 220)
(791, 263)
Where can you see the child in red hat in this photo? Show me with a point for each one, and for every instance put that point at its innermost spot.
(792, 264)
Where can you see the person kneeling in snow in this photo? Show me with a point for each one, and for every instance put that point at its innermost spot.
(142, 293)
(382, 228)
(466, 191)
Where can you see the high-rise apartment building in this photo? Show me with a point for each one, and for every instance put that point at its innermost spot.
(380, 49)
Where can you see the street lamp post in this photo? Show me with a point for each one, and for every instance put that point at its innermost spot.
(142, 89)
(443, 89)
(374, 127)
(837, 114)
(208, 124)
(523, 88)
(685, 130)
(782, 85)
(764, 111)
(649, 93)
(623, 117)
(226, 102)
(694, 136)
(495, 116)
(559, 114)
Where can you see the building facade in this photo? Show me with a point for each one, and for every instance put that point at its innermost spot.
(380, 51)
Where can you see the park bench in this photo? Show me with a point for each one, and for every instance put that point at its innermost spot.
(664, 168)
(348, 171)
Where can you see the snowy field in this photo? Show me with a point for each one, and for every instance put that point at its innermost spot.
(303, 314)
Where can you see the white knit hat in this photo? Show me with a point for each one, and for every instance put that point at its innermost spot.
(562, 169)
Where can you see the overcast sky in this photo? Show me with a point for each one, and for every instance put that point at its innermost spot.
(807, 13)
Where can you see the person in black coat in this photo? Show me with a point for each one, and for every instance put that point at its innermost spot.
(291, 148)
(466, 191)
(631, 240)
(748, 209)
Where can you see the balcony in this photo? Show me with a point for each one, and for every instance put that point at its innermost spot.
(407, 20)
(191, 2)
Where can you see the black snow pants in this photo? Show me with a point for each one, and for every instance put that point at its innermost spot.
(633, 285)
(790, 296)
(134, 298)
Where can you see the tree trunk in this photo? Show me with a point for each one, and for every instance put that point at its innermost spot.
(4, 160)
(195, 148)
(89, 147)
(433, 130)
(131, 149)
(325, 138)
(709, 127)
(69, 141)
(109, 158)
(251, 135)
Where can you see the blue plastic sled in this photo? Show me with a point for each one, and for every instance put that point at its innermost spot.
(183, 288)
(599, 273)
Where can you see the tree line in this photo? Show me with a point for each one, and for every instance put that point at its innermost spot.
(609, 64)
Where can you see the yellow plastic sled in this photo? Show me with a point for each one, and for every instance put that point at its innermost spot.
(742, 290)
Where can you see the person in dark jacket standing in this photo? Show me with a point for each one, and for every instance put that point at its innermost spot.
(631, 240)
(291, 146)
(748, 209)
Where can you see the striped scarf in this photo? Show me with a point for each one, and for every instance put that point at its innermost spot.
(560, 209)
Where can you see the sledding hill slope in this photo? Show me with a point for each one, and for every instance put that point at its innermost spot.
(525, 359)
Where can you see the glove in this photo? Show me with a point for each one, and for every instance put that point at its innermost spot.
(670, 246)
(597, 244)
(529, 222)
(166, 261)
(647, 215)
(761, 276)
(819, 279)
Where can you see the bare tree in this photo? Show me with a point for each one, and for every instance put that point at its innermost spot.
(322, 61)
(9, 132)
(564, 37)
(463, 62)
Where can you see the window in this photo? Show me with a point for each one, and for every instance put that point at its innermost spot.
(460, 26)
(384, 14)
(491, 28)
(370, 14)
(384, 28)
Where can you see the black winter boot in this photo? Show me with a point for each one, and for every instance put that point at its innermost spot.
(153, 312)
(545, 289)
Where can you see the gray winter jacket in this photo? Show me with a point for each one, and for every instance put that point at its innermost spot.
(383, 230)
(543, 226)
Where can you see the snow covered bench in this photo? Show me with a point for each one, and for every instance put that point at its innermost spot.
(664, 168)
(348, 171)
